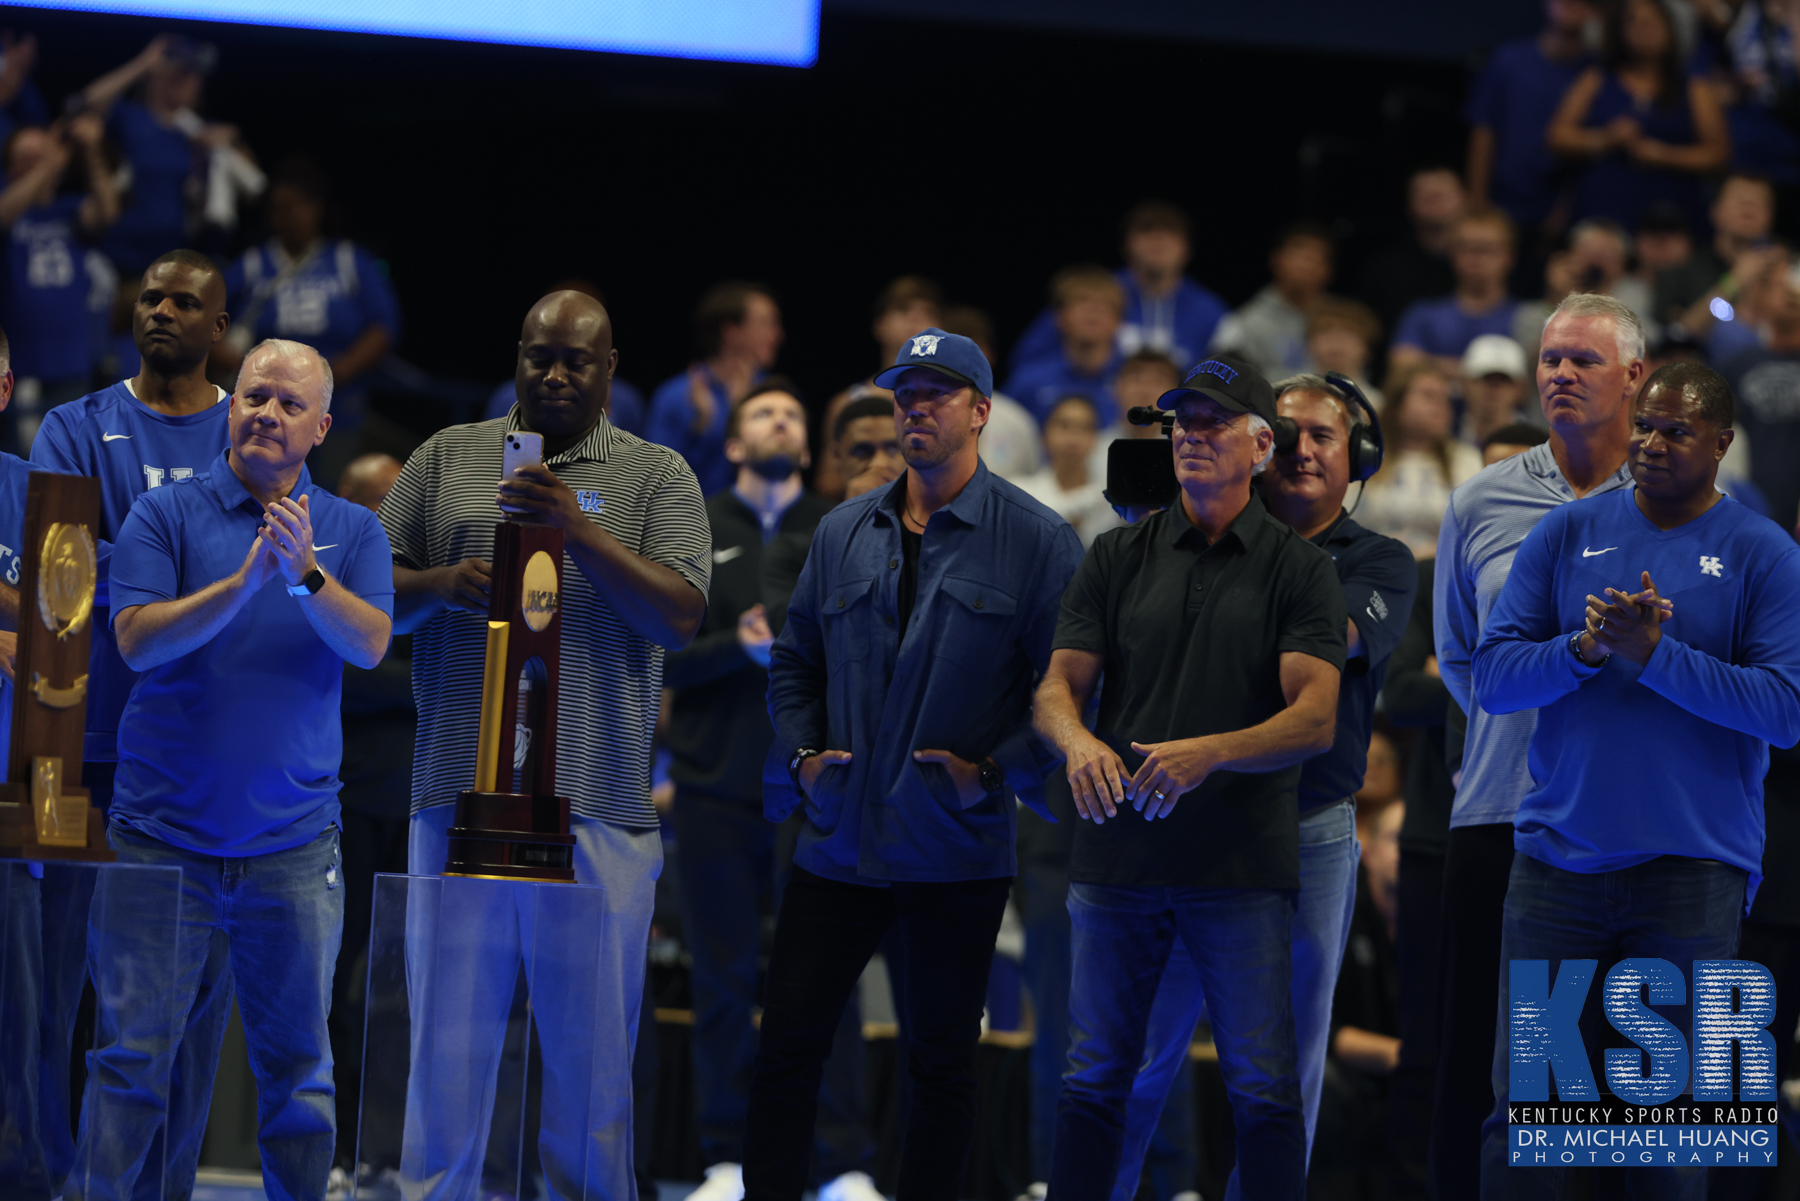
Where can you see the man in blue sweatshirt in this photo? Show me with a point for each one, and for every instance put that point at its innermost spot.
(1646, 618)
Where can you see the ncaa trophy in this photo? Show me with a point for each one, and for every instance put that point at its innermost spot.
(522, 835)
(44, 814)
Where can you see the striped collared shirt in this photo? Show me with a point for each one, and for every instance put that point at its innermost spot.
(442, 510)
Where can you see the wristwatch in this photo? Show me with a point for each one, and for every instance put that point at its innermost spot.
(993, 780)
(800, 756)
(1575, 649)
(309, 584)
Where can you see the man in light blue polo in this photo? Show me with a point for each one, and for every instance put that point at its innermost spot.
(238, 595)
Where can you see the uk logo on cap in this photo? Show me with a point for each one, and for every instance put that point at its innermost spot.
(926, 343)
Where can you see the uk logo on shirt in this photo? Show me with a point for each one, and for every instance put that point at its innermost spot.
(1711, 566)
(589, 500)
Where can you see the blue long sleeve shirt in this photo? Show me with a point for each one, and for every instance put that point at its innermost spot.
(991, 574)
(1628, 763)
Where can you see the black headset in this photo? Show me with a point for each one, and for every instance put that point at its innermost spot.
(1366, 445)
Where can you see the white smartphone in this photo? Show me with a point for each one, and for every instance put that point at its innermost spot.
(522, 450)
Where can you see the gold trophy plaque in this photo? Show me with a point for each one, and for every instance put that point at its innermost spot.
(44, 813)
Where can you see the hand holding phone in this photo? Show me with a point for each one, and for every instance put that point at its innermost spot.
(522, 450)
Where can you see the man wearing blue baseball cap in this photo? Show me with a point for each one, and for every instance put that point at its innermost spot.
(900, 691)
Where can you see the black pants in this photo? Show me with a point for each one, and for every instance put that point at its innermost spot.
(824, 936)
(1477, 865)
(1420, 952)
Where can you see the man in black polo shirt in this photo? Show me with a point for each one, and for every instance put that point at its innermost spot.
(1220, 632)
(719, 735)
(1304, 488)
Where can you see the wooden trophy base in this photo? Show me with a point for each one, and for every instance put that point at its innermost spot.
(511, 836)
(20, 837)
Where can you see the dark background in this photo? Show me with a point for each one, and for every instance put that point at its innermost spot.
(985, 155)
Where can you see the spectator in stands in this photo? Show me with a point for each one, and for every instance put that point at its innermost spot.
(1644, 129)
(1510, 440)
(1067, 484)
(908, 306)
(1418, 267)
(1601, 254)
(1757, 81)
(1730, 325)
(1009, 441)
(1743, 216)
(1663, 243)
(58, 197)
(1407, 497)
(1089, 306)
(1164, 309)
(163, 140)
(625, 406)
(1270, 330)
(739, 330)
(20, 101)
(1494, 371)
(1510, 107)
(1342, 336)
(1766, 381)
(326, 292)
(1481, 255)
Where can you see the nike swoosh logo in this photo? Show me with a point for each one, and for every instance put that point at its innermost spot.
(113, 437)
(327, 546)
(728, 554)
(1588, 554)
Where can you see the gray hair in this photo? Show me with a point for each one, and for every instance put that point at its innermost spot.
(1257, 426)
(1308, 381)
(1627, 329)
(289, 349)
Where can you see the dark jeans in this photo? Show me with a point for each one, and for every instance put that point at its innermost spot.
(1239, 940)
(1043, 899)
(1669, 908)
(1477, 865)
(730, 859)
(824, 937)
(1419, 950)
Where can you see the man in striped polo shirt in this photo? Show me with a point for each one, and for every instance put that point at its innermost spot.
(639, 558)
(1590, 364)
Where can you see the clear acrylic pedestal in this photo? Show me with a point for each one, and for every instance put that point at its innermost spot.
(491, 1063)
(48, 907)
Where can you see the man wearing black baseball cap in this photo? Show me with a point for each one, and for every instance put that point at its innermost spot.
(1220, 632)
(900, 690)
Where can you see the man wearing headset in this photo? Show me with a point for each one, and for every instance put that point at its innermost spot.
(1336, 441)
(1220, 633)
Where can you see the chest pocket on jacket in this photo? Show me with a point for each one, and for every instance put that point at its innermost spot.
(976, 619)
(846, 617)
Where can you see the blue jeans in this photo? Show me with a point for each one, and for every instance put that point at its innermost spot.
(1238, 941)
(463, 958)
(277, 920)
(1328, 858)
(1669, 908)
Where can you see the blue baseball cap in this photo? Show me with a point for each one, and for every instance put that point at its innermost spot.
(950, 355)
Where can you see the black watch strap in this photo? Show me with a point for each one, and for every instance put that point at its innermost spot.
(800, 756)
(993, 779)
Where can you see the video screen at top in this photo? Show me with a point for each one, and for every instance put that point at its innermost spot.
(783, 32)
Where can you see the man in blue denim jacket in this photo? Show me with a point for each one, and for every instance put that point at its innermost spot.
(900, 690)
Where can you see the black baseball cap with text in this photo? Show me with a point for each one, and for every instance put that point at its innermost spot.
(1230, 381)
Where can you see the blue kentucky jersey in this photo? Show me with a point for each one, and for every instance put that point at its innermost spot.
(132, 448)
(14, 472)
(326, 299)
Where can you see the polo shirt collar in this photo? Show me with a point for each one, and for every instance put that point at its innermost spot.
(1248, 527)
(231, 491)
(1541, 462)
(1341, 530)
(966, 508)
(593, 448)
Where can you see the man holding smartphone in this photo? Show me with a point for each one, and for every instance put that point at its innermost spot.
(639, 557)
